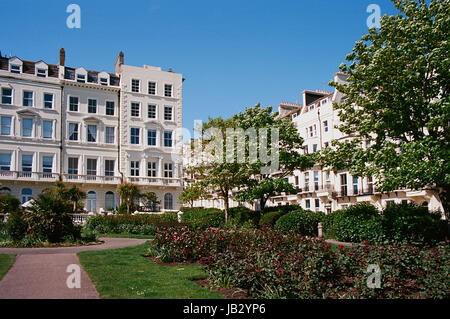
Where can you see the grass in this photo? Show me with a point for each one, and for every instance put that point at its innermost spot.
(124, 273)
(6, 262)
(125, 235)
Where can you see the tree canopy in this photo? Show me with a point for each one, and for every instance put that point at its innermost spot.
(397, 107)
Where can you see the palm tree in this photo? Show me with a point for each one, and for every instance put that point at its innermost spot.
(128, 193)
(76, 195)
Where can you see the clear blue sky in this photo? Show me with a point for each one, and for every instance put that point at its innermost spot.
(233, 54)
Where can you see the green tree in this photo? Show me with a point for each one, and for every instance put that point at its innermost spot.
(261, 184)
(217, 175)
(397, 107)
(191, 193)
(150, 201)
(129, 194)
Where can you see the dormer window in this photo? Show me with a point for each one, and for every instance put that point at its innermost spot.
(81, 78)
(41, 73)
(103, 81)
(16, 68)
(81, 75)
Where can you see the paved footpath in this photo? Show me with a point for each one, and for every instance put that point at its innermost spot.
(41, 273)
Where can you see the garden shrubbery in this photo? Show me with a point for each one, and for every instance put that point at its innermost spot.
(355, 224)
(397, 223)
(132, 224)
(409, 221)
(276, 264)
(47, 220)
(204, 218)
(303, 222)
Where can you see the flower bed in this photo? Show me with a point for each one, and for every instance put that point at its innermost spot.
(274, 264)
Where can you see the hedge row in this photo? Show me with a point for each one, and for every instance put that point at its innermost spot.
(132, 224)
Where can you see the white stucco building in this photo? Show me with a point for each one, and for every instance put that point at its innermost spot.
(90, 128)
(320, 190)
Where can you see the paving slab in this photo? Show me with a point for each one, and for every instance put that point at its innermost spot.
(42, 273)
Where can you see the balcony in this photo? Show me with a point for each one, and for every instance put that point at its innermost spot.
(91, 179)
(29, 176)
(155, 181)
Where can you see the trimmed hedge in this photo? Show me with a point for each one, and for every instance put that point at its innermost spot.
(204, 218)
(269, 219)
(301, 221)
(132, 224)
(357, 223)
(404, 221)
(243, 215)
(397, 223)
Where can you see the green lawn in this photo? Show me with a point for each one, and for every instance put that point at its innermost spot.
(125, 273)
(6, 262)
(125, 235)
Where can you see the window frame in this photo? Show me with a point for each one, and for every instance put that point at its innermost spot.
(138, 86)
(43, 129)
(2, 126)
(6, 96)
(138, 130)
(28, 99)
(70, 103)
(88, 106)
(96, 133)
(155, 88)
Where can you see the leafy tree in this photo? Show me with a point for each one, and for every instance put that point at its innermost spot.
(191, 193)
(216, 174)
(150, 201)
(397, 107)
(263, 184)
(73, 194)
(128, 193)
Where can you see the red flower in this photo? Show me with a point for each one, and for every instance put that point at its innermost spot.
(277, 262)
(341, 246)
(306, 276)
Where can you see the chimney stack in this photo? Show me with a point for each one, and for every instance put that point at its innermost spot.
(119, 61)
(62, 57)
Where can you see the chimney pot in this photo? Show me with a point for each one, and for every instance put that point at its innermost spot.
(62, 56)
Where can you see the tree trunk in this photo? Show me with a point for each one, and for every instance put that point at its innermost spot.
(262, 204)
(444, 196)
(225, 199)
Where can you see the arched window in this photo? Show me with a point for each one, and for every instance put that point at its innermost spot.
(91, 202)
(168, 201)
(26, 195)
(110, 201)
(5, 190)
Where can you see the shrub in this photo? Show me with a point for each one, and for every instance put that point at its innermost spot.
(49, 219)
(357, 223)
(274, 264)
(303, 222)
(15, 227)
(406, 222)
(284, 209)
(204, 218)
(8, 204)
(144, 224)
(269, 219)
(241, 214)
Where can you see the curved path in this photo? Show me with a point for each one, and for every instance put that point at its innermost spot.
(41, 273)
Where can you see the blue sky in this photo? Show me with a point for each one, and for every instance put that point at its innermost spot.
(233, 54)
